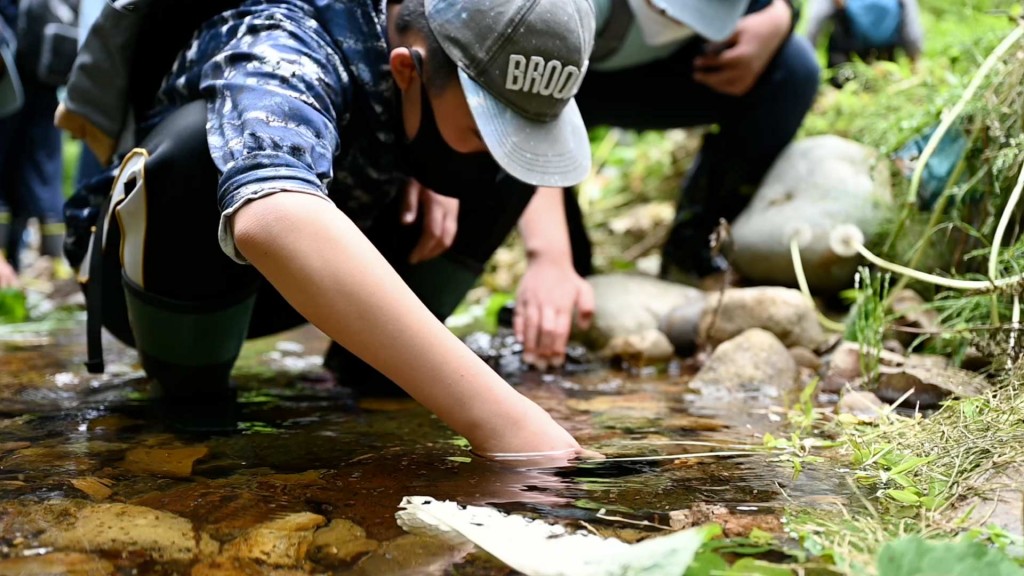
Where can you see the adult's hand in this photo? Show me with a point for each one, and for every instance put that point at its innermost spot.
(734, 66)
(440, 220)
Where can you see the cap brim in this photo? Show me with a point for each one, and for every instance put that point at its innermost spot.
(555, 153)
(11, 95)
(715, 20)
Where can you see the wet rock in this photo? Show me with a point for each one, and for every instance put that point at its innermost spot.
(166, 462)
(239, 567)
(123, 527)
(864, 405)
(754, 363)
(682, 326)
(931, 385)
(817, 184)
(648, 346)
(98, 489)
(805, 358)
(13, 446)
(413, 554)
(57, 564)
(281, 542)
(630, 304)
(340, 543)
(782, 311)
(843, 367)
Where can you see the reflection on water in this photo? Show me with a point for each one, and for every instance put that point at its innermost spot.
(309, 465)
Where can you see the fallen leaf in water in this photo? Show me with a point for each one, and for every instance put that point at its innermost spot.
(96, 488)
(684, 422)
(169, 462)
(62, 563)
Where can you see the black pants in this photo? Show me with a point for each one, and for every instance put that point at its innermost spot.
(184, 269)
(752, 131)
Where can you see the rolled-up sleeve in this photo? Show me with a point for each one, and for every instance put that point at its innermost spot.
(274, 96)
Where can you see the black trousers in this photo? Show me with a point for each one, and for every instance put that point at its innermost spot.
(185, 269)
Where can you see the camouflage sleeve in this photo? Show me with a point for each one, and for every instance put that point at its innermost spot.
(273, 96)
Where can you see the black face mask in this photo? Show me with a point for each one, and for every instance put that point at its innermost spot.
(439, 167)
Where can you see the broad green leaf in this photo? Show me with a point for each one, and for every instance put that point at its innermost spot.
(903, 496)
(12, 306)
(752, 567)
(707, 564)
(913, 556)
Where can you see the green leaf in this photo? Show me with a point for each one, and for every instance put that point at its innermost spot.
(903, 496)
(909, 464)
(752, 567)
(12, 306)
(913, 556)
(460, 459)
(707, 564)
(902, 480)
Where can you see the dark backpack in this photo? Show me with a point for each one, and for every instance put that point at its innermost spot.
(47, 32)
(874, 23)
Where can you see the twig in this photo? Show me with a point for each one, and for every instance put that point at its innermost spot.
(603, 516)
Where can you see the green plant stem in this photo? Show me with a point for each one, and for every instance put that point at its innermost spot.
(951, 117)
(975, 285)
(801, 279)
(1004, 220)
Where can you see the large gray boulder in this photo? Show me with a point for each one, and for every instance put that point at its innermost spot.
(628, 314)
(817, 183)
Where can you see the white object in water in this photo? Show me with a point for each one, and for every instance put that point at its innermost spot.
(537, 548)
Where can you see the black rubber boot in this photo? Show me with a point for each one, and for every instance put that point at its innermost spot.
(188, 349)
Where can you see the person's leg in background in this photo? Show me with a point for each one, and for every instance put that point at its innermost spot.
(751, 131)
(40, 168)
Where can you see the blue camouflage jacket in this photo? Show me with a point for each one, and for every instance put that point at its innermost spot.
(300, 98)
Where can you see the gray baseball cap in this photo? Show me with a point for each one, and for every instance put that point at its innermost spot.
(520, 64)
(713, 19)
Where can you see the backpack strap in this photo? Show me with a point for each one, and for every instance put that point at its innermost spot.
(609, 38)
(94, 295)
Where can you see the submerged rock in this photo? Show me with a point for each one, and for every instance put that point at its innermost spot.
(281, 542)
(57, 564)
(340, 543)
(817, 184)
(167, 462)
(123, 527)
(755, 363)
(784, 312)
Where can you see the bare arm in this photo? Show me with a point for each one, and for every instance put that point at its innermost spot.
(364, 305)
(551, 289)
